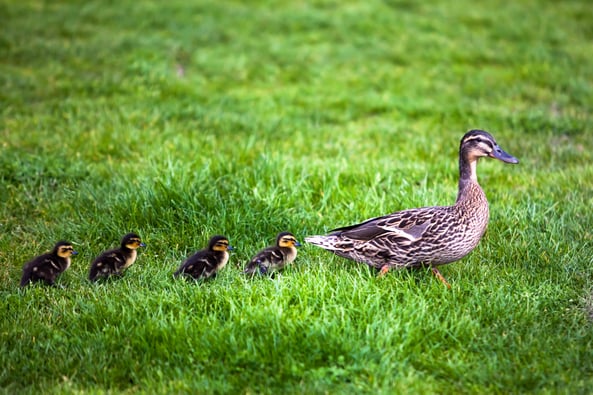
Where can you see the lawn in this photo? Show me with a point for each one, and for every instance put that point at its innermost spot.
(184, 119)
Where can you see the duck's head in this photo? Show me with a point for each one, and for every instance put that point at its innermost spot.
(479, 143)
(132, 241)
(219, 243)
(287, 239)
(64, 249)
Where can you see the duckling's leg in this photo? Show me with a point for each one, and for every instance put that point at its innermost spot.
(384, 270)
(438, 274)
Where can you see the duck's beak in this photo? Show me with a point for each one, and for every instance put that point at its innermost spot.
(142, 245)
(230, 248)
(74, 252)
(297, 244)
(500, 154)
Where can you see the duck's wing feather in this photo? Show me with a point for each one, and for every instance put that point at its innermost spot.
(271, 256)
(112, 260)
(202, 263)
(108, 263)
(43, 267)
(28, 269)
(409, 224)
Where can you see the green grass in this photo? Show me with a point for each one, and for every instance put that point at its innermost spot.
(189, 119)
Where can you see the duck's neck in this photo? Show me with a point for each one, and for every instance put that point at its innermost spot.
(469, 189)
(290, 253)
(224, 258)
(66, 264)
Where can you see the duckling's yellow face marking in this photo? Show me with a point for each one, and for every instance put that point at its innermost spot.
(65, 251)
(288, 241)
(134, 243)
(221, 245)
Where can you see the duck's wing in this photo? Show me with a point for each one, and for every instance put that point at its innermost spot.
(32, 267)
(106, 264)
(263, 260)
(201, 264)
(112, 259)
(408, 225)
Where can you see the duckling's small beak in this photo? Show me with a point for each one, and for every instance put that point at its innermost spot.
(230, 248)
(500, 154)
(74, 252)
(297, 244)
(142, 245)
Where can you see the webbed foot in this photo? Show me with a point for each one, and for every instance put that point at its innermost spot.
(438, 275)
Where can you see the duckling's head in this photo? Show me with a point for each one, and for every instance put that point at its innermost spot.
(132, 241)
(219, 243)
(64, 249)
(479, 143)
(286, 239)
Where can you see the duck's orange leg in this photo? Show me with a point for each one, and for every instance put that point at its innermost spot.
(384, 270)
(438, 274)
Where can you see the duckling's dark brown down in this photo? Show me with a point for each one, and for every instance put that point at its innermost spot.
(114, 262)
(206, 263)
(275, 257)
(47, 267)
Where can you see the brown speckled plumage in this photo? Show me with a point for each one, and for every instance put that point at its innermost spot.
(424, 236)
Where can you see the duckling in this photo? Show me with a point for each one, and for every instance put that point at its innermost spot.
(276, 257)
(429, 236)
(207, 262)
(48, 266)
(114, 262)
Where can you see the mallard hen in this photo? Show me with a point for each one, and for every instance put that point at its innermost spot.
(207, 262)
(48, 266)
(114, 262)
(276, 257)
(429, 236)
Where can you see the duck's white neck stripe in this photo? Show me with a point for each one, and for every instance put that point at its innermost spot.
(473, 165)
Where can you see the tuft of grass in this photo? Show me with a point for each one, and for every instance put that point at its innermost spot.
(183, 120)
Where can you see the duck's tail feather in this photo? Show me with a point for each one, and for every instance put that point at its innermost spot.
(328, 242)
